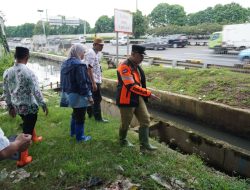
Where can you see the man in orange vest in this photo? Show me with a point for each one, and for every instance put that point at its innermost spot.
(131, 97)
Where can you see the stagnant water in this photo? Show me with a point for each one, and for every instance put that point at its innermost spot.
(46, 71)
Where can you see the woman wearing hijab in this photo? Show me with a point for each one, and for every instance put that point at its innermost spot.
(76, 90)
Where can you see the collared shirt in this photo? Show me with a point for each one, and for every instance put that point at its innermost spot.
(93, 60)
(21, 90)
(4, 141)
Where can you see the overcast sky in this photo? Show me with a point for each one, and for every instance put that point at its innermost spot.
(18, 12)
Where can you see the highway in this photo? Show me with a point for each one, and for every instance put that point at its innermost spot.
(190, 52)
(201, 53)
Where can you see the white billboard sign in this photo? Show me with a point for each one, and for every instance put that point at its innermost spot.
(123, 21)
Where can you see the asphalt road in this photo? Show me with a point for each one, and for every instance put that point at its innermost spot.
(190, 52)
(201, 53)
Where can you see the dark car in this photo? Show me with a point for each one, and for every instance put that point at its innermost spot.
(155, 44)
(176, 40)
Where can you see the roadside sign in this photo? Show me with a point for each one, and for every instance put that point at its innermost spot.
(123, 21)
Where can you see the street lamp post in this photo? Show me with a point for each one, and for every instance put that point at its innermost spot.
(41, 11)
(84, 28)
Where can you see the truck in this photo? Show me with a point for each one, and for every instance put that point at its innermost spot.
(233, 37)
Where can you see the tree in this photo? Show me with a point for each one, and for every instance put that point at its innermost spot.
(25, 30)
(104, 24)
(164, 14)
(140, 24)
(80, 28)
(38, 29)
(230, 13)
(200, 29)
(223, 14)
(206, 16)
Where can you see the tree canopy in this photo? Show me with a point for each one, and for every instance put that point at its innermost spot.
(164, 14)
(140, 24)
(25, 30)
(222, 14)
(104, 24)
(28, 30)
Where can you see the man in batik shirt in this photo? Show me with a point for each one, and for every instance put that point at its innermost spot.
(23, 97)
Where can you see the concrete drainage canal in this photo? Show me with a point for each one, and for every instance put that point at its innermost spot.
(219, 154)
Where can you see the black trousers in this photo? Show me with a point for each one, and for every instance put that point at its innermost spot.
(29, 122)
(78, 115)
(97, 95)
(96, 107)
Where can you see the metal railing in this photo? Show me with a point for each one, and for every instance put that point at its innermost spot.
(186, 64)
(55, 86)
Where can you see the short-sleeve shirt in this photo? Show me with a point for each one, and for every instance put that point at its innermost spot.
(93, 60)
(4, 141)
(21, 89)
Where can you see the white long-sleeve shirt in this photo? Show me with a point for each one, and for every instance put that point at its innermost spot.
(4, 141)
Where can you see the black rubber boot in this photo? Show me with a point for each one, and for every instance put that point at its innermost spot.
(144, 141)
(98, 113)
(123, 138)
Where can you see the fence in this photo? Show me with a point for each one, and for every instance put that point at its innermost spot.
(55, 86)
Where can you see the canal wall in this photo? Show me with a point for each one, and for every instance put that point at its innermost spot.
(233, 160)
(218, 116)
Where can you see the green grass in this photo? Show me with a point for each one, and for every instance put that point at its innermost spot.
(6, 61)
(69, 165)
(218, 85)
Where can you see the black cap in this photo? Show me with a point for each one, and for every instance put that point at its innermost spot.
(138, 49)
(21, 52)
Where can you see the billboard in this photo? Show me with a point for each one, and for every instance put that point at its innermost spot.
(60, 20)
(123, 21)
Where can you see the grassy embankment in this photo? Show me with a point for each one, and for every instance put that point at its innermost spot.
(61, 163)
(218, 85)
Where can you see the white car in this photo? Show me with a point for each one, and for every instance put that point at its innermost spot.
(82, 39)
(26, 41)
(121, 41)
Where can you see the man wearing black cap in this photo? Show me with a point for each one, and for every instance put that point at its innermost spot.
(23, 96)
(131, 96)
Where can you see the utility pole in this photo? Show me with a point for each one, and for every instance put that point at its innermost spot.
(136, 5)
(85, 28)
(44, 31)
(47, 18)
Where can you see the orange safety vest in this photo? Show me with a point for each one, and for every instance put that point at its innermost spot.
(131, 85)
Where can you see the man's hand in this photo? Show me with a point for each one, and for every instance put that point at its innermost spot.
(94, 87)
(45, 109)
(12, 112)
(154, 97)
(23, 141)
(91, 101)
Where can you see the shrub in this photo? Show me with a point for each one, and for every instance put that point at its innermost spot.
(6, 61)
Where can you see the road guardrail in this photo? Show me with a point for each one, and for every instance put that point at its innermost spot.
(186, 64)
